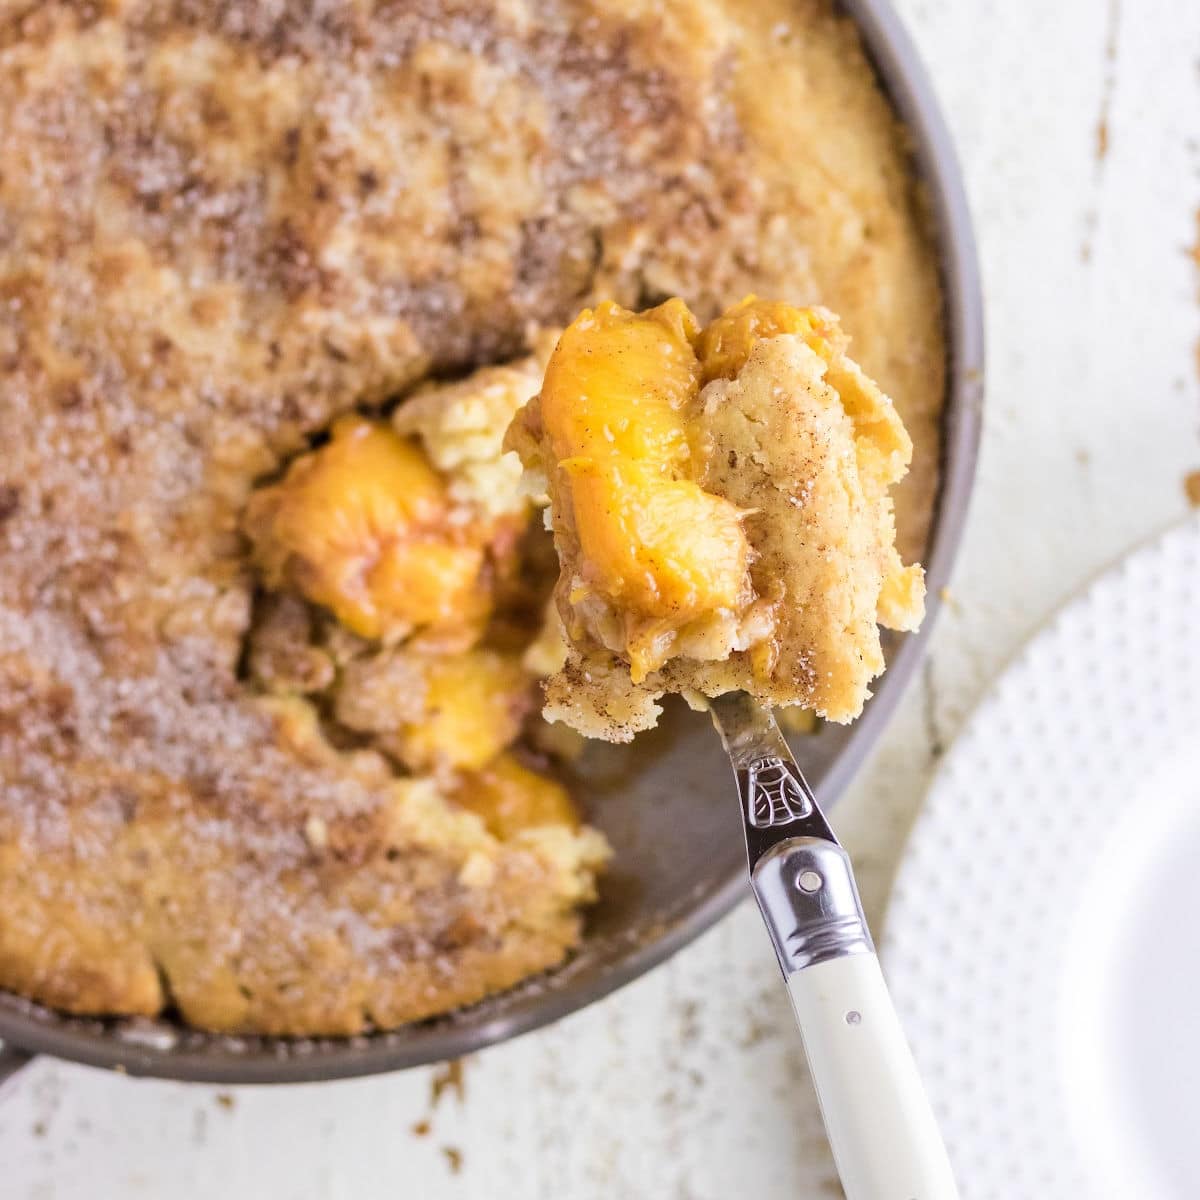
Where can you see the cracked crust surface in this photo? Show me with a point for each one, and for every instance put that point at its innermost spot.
(223, 225)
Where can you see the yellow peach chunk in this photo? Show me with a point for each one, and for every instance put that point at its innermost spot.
(725, 344)
(661, 547)
(511, 798)
(617, 384)
(474, 705)
(360, 526)
(614, 409)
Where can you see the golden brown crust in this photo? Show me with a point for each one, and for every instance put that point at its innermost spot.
(221, 225)
(810, 450)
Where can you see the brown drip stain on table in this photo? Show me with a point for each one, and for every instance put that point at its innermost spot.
(447, 1078)
(1191, 488)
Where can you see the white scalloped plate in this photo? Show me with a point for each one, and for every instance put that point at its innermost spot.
(1043, 937)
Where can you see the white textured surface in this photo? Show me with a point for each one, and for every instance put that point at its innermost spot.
(689, 1084)
(1041, 942)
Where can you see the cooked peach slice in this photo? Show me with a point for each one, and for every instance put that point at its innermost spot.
(436, 712)
(474, 704)
(613, 410)
(511, 798)
(361, 526)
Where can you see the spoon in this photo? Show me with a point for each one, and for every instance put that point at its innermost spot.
(879, 1121)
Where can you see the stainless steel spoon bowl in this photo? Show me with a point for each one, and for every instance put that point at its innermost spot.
(679, 862)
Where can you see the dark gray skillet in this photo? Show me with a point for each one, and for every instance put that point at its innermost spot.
(669, 808)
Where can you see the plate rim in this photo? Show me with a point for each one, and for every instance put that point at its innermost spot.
(905, 919)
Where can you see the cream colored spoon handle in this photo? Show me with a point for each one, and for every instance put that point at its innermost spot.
(880, 1124)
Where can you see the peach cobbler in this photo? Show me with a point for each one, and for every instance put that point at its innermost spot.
(720, 503)
(275, 601)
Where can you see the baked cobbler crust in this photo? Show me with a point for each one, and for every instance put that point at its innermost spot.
(223, 227)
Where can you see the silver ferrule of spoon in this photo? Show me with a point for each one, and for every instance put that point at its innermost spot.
(809, 901)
